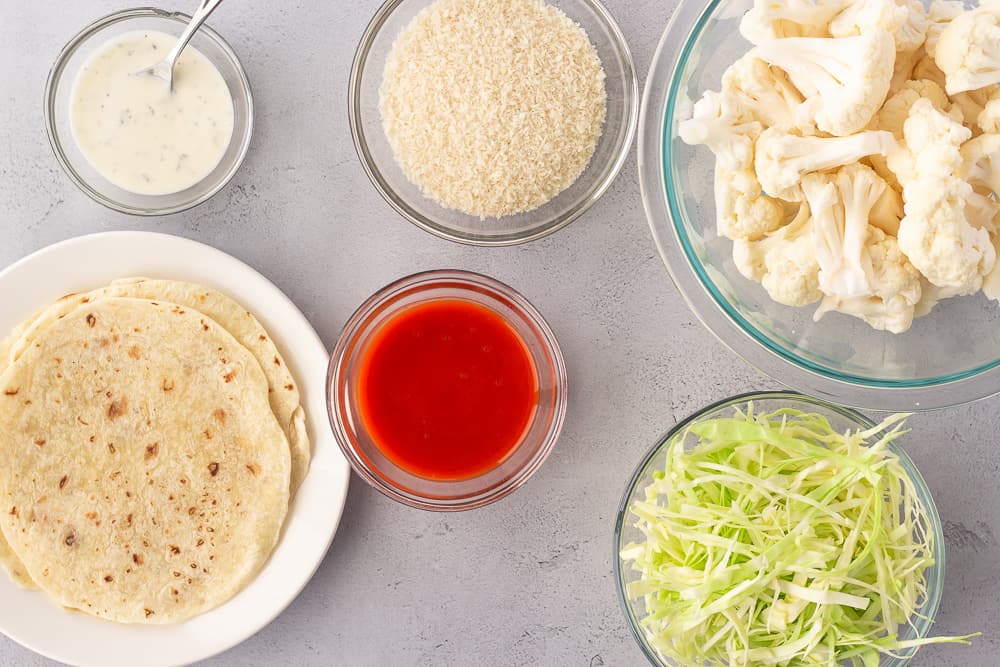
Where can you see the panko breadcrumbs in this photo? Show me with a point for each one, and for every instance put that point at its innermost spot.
(493, 107)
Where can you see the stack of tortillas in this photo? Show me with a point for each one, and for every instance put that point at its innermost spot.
(151, 436)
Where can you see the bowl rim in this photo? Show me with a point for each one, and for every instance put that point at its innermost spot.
(470, 281)
(55, 77)
(444, 231)
(935, 587)
(660, 99)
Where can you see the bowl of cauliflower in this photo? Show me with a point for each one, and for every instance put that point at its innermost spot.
(821, 178)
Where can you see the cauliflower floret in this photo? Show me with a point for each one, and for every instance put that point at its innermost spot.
(931, 146)
(765, 93)
(782, 159)
(845, 80)
(938, 239)
(896, 109)
(906, 20)
(896, 288)
(774, 19)
(968, 50)
(840, 210)
(783, 262)
(742, 211)
(720, 123)
(991, 283)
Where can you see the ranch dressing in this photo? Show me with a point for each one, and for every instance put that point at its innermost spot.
(137, 133)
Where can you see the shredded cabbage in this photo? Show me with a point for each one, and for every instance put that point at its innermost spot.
(775, 540)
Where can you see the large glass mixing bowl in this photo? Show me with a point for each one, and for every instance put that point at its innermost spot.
(950, 356)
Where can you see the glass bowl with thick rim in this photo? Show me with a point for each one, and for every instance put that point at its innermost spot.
(356, 440)
(407, 199)
(841, 419)
(58, 90)
(948, 357)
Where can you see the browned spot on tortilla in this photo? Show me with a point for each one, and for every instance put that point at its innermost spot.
(108, 578)
(277, 361)
(138, 559)
(253, 468)
(14, 512)
(290, 386)
(91, 515)
(177, 575)
(93, 437)
(117, 408)
(81, 420)
(220, 415)
(128, 520)
(28, 402)
(152, 450)
(191, 511)
(200, 543)
(213, 469)
(62, 482)
(208, 434)
(11, 392)
(149, 612)
(155, 304)
(69, 537)
(230, 376)
(105, 342)
(204, 325)
(174, 549)
(85, 299)
(167, 385)
(40, 442)
(111, 447)
(115, 475)
(134, 352)
(91, 320)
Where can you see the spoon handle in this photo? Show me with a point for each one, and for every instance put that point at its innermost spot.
(205, 8)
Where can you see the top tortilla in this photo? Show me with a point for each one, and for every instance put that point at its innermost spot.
(146, 478)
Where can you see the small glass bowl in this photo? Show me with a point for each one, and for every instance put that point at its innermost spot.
(59, 87)
(380, 164)
(357, 444)
(841, 419)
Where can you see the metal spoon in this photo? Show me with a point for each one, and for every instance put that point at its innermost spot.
(165, 68)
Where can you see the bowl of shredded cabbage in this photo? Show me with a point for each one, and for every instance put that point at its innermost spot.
(778, 529)
(821, 179)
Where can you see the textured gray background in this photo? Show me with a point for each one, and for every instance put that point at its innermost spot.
(527, 581)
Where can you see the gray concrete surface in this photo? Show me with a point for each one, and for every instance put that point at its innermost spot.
(527, 581)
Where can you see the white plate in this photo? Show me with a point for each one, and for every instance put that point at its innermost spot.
(87, 262)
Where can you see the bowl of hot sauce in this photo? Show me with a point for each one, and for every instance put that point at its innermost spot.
(446, 390)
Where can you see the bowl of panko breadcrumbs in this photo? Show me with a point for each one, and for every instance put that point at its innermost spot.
(492, 122)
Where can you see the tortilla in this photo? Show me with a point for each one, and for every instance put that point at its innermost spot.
(284, 392)
(145, 476)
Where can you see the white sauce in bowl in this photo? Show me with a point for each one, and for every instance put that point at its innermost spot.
(137, 133)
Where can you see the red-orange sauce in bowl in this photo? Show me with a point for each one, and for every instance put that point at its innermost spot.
(447, 389)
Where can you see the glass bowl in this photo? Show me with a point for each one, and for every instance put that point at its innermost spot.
(357, 443)
(950, 356)
(59, 87)
(377, 157)
(840, 419)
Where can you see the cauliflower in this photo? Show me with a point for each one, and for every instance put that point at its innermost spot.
(720, 123)
(896, 289)
(991, 283)
(840, 209)
(783, 262)
(939, 15)
(888, 209)
(782, 159)
(844, 80)
(765, 93)
(981, 163)
(742, 211)
(904, 19)
(968, 50)
(774, 19)
(938, 239)
(932, 140)
(926, 68)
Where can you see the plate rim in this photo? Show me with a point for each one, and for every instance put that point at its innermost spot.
(322, 440)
